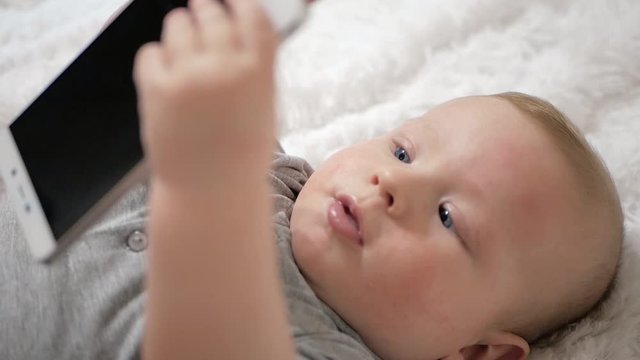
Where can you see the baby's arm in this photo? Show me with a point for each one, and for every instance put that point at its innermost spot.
(206, 102)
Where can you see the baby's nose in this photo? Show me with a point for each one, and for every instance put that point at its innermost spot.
(395, 189)
(387, 196)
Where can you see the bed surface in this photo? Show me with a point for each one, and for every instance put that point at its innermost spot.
(360, 67)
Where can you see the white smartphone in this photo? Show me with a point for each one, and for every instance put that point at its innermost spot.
(76, 148)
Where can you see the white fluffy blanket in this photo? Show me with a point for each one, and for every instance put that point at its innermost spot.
(359, 67)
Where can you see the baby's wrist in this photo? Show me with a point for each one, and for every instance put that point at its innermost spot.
(210, 176)
(206, 195)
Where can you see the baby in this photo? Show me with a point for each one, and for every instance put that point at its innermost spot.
(467, 233)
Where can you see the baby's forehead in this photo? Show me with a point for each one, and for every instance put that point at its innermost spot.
(470, 111)
(481, 123)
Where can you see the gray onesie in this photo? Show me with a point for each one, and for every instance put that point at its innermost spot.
(89, 303)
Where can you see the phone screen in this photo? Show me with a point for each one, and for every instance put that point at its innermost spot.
(81, 135)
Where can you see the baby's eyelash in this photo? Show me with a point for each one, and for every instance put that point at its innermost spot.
(445, 216)
(402, 149)
(402, 154)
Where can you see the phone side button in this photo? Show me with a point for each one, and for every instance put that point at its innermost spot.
(137, 241)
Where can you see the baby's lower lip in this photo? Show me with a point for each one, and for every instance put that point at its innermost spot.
(342, 223)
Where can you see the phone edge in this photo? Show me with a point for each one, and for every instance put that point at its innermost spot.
(34, 225)
(21, 193)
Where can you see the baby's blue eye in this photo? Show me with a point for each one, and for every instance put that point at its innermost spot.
(445, 217)
(402, 154)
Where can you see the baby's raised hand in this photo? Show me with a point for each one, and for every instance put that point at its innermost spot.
(206, 92)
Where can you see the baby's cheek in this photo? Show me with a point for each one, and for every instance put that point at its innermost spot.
(346, 163)
(407, 280)
(309, 243)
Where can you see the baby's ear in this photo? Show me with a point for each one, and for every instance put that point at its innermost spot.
(496, 346)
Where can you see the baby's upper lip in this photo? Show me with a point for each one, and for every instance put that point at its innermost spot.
(350, 202)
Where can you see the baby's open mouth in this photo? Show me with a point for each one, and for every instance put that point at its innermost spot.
(343, 219)
(354, 221)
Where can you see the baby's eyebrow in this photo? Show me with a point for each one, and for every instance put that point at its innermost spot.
(425, 138)
(472, 236)
(476, 217)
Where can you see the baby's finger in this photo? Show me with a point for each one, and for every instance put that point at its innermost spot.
(178, 33)
(255, 29)
(149, 64)
(212, 21)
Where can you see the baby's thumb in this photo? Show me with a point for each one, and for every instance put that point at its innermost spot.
(148, 65)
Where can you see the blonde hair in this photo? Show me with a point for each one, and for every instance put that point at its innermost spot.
(601, 198)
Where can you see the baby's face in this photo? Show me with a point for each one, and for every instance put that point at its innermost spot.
(422, 238)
